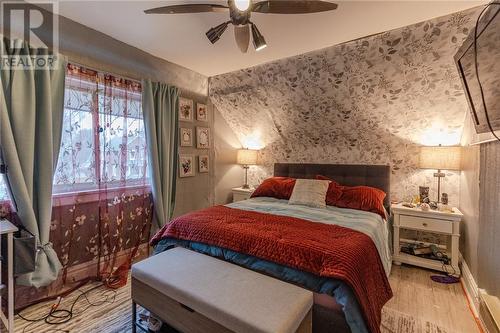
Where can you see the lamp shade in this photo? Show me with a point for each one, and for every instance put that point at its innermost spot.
(444, 158)
(247, 157)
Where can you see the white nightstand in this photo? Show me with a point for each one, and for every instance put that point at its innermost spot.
(444, 223)
(7, 228)
(240, 193)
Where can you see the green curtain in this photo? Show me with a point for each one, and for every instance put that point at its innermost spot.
(160, 103)
(32, 104)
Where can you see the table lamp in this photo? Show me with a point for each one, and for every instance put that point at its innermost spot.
(440, 158)
(246, 157)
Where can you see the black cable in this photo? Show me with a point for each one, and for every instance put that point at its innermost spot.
(476, 65)
(58, 316)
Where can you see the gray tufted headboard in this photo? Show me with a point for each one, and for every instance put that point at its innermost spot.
(377, 176)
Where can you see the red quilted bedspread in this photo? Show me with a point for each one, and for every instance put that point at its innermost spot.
(318, 248)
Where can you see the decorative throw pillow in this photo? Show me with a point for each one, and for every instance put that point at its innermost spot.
(309, 192)
(334, 190)
(275, 187)
(365, 198)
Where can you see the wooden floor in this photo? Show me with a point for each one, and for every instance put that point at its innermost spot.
(414, 294)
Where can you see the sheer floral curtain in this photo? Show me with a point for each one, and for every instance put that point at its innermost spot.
(102, 202)
(6, 209)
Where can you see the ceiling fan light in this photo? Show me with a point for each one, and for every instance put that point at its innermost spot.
(215, 33)
(258, 40)
(242, 5)
(261, 47)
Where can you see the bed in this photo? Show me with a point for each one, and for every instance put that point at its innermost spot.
(347, 300)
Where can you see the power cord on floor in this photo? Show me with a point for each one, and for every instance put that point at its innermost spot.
(58, 316)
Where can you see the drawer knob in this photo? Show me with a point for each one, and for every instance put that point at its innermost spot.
(424, 224)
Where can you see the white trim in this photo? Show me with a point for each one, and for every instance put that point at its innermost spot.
(490, 305)
(473, 294)
(481, 138)
(470, 286)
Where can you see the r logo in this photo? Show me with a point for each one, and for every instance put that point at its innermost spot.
(32, 22)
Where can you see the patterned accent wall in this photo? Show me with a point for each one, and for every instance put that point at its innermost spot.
(374, 100)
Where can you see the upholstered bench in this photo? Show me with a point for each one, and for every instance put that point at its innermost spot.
(193, 292)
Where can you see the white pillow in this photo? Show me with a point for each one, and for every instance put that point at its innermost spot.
(309, 192)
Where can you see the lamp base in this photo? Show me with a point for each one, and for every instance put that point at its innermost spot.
(246, 186)
(439, 175)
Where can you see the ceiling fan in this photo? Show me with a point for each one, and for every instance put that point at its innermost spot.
(240, 12)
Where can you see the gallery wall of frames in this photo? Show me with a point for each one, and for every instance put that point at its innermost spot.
(195, 152)
(194, 132)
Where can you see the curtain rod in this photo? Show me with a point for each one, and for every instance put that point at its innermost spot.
(104, 71)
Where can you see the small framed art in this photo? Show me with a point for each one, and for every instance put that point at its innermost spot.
(186, 137)
(185, 109)
(201, 112)
(186, 166)
(203, 164)
(202, 137)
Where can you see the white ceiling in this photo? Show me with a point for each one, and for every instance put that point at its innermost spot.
(181, 38)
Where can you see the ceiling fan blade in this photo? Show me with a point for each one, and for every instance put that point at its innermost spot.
(293, 6)
(188, 8)
(242, 36)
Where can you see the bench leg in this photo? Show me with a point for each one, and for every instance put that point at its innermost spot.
(134, 317)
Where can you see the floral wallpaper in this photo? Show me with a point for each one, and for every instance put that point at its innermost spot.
(374, 100)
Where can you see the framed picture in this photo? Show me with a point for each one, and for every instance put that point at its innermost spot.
(202, 137)
(186, 163)
(186, 137)
(203, 163)
(185, 109)
(201, 112)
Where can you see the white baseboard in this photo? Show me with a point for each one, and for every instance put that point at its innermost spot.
(489, 312)
(477, 299)
(470, 287)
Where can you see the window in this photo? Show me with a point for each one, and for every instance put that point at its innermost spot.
(4, 192)
(103, 139)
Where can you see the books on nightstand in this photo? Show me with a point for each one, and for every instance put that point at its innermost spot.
(415, 249)
(425, 251)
